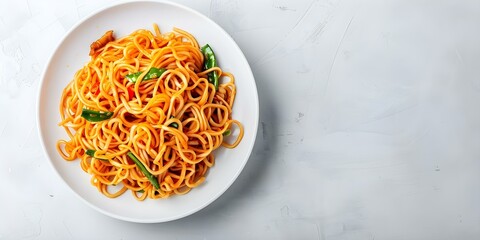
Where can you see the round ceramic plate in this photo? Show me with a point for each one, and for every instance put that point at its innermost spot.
(72, 53)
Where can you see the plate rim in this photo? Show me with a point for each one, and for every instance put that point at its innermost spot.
(41, 134)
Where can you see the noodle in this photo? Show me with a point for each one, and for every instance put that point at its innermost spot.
(135, 134)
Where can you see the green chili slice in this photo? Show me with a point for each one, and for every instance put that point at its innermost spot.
(210, 62)
(91, 153)
(227, 132)
(147, 174)
(151, 74)
(173, 124)
(95, 116)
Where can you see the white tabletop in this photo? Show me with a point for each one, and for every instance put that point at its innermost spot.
(369, 124)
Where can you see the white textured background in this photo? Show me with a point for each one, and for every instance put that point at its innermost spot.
(369, 124)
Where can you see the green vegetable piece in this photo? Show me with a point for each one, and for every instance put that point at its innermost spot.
(210, 62)
(91, 153)
(227, 132)
(95, 116)
(152, 73)
(149, 175)
(141, 191)
(174, 124)
(133, 76)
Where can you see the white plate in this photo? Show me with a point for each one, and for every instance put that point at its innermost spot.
(124, 18)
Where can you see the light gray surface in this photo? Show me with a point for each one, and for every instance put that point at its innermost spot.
(370, 124)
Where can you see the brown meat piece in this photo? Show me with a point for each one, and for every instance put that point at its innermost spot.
(106, 38)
